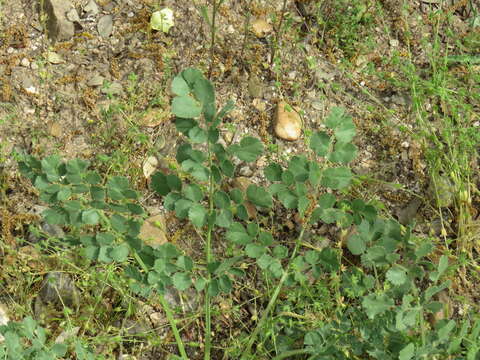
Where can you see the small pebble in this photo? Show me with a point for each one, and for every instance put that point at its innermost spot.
(25, 62)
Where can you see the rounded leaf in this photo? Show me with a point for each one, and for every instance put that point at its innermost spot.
(186, 107)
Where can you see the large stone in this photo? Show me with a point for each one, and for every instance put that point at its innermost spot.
(288, 125)
(58, 26)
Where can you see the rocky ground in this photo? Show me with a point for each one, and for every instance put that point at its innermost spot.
(90, 79)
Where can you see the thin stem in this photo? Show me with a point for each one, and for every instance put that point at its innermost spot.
(278, 32)
(209, 258)
(287, 354)
(215, 4)
(273, 299)
(168, 313)
(245, 29)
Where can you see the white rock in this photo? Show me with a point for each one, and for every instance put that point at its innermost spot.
(25, 62)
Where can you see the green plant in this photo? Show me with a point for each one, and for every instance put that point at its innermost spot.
(26, 340)
(387, 304)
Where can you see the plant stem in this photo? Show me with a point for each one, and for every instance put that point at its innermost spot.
(245, 29)
(273, 299)
(278, 32)
(215, 4)
(168, 313)
(209, 258)
(287, 354)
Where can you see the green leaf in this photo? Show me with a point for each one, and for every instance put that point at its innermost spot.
(236, 195)
(185, 263)
(287, 178)
(180, 86)
(197, 135)
(104, 239)
(312, 257)
(200, 284)
(91, 252)
(170, 200)
(93, 178)
(197, 215)
(397, 275)
(432, 290)
(407, 352)
(76, 166)
(182, 208)
(181, 281)
(259, 196)
(356, 244)
(227, 168)
(303, 205)
(221, 199)
(254, 251)
(204, 91)
(213, 288)
(277, 188)
(376, 304)
(174, 183)
(442, 265)
(273, 172)
(209, 112)
(237, 234)
(444, 332)
(59, 350)
(90, 217)
(193, 192)
(191, 76)
(248, 150)
(329, 259)
(280, 252)
(185, 125)
(224, 111)
(50, 166)
(320, 143)
(120, 252)
(224, 218)
(116, 186)
(298, 165)
(265, 238)
(118, 223)
(213, 135)
(336, 178)
(241, 212)
(265, 261)
(252, 229)
(343, 153)
(97, 193)
(198, 171)
(135, 209)
(64, 194)
(314, 173)
(288, 199)
(335, 117)
(186, 107)
(326, 201)
(225, 284)
(345, 132)
(104, 254)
